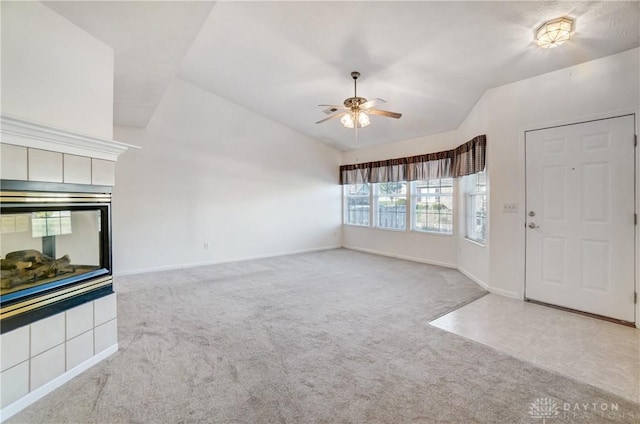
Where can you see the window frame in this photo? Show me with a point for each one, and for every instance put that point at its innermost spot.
(414, 205)
(346, 196)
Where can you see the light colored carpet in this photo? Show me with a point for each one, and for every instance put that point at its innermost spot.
(327, 337)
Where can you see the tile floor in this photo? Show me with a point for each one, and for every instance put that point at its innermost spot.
(593, 351)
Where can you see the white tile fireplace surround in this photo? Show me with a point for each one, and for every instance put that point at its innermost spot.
(40, 356)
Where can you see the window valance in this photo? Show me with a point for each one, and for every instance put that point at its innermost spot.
(468, 158)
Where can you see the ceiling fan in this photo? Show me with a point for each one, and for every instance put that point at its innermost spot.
(354, 113)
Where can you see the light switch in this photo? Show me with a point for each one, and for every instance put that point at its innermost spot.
(510, 207)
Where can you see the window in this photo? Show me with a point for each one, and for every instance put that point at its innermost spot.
(433, 206)
(50, 223)
(356, 204)
(391, 205)
(477, 207)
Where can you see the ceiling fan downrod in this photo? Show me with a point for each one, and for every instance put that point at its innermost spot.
(354, 102)
(355, 75)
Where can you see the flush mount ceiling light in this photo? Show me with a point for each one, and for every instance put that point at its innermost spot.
(554, 33)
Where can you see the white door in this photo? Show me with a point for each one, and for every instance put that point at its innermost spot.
(580, 217)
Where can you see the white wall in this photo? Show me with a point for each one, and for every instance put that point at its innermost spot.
(53, 72)
(601, 88)
(210, 171)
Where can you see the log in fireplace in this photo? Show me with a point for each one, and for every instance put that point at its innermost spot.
(55, 248)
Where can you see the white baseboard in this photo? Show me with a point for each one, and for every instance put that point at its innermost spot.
(17, 406)
(474, 279)
(223, 261)
(407, 258)
(506, 293)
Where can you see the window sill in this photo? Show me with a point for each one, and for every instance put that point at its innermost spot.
(477, 243)
(356, 225)
(432, 233)
(397, 230)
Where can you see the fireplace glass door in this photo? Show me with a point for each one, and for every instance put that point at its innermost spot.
(50, 246)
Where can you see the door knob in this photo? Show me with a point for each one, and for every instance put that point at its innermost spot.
(533, 225)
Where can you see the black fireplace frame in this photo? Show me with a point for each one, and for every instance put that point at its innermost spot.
(42, 301)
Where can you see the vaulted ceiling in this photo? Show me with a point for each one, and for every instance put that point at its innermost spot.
(429, 60)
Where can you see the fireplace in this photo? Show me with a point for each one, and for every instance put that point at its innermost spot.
(55, 250)
(58, 310)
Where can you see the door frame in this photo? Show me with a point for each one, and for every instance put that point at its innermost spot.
(523, 192)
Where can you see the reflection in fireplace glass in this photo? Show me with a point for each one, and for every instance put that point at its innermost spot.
(44, 246)
(50, 223)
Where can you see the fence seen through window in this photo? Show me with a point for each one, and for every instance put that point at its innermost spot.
(357, 204)
(391, 205)
(429, 202)
(433, 205)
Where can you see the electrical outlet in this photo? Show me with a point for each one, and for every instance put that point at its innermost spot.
(510, 207)
(206, 245)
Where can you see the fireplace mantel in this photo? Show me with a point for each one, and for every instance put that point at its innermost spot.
(21, 132)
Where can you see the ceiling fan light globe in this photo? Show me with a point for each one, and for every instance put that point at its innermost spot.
(363, 120)
(347, 121)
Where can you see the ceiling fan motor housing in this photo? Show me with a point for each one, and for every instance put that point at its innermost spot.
(354, 102)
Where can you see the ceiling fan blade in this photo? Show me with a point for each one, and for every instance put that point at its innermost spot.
(333, 108)
(384, 113)
(331, 117)
(371, 103)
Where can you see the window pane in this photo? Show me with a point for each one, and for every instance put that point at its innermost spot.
(444, 185)
(356, 203)
(355, 189)
(358, 210)
(477, 207)
(433, 206)
(477, 217)
(391, 205)
(392, 212)
(392, 188)
(481, 181)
